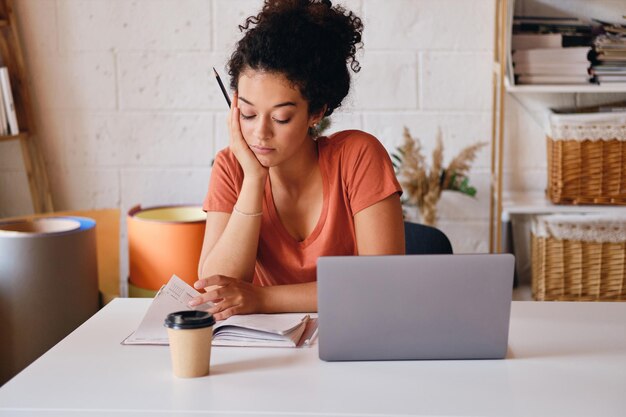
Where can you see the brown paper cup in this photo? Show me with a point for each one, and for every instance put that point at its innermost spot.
(191, 351)
(190, 334)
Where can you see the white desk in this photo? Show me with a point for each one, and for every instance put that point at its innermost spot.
(565, 359)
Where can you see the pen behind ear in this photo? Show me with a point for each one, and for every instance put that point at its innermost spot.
(219, 81)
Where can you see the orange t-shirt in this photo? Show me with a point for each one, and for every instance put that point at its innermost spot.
(356, 173)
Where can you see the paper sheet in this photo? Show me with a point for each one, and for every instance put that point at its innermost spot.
(172, 297)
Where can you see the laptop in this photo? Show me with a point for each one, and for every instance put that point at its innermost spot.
(411, 307)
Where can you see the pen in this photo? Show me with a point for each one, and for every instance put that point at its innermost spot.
(219, 81)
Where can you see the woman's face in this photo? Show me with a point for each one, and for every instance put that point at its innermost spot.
(274, 117)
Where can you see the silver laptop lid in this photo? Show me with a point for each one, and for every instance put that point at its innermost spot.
(414, 306)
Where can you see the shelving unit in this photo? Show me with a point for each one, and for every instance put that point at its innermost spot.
(591, 88)
(537, 203)
(501, 207)
(12, 57)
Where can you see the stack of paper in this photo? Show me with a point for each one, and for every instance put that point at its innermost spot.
(552, 65)
(610, 58)
(550, 50)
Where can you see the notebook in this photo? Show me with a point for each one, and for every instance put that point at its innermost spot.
(414, 306)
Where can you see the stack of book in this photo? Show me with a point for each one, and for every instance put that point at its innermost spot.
(550, 50)
(610, 56)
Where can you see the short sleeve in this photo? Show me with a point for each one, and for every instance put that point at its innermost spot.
(224, 184)
(367, 170)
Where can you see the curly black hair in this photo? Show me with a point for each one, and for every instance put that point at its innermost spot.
(310, 42)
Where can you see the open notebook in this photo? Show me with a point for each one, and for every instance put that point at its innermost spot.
(264, 330)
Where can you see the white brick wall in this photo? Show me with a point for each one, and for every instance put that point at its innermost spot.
(423, 25)
(73, 81)
(139, 25)
(387, 81)
(129, 112)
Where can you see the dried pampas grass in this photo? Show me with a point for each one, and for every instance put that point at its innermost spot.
(423, 184)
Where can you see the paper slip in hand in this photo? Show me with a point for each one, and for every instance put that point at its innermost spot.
(172, 297)
(267, 330)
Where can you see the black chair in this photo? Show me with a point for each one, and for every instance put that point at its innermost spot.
(423, 240)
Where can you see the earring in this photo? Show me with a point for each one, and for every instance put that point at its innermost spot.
(313, 132)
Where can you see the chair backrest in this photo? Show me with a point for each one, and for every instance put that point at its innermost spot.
(423, 240)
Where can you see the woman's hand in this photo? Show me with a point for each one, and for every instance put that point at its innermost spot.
(229, 295)
(251, 166)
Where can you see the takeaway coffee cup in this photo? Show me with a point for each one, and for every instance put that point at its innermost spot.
(190, 334)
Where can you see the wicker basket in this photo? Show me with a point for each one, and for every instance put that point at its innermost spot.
(587, 158)
(578, 258)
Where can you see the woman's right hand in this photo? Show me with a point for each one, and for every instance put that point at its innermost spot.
(251, 166)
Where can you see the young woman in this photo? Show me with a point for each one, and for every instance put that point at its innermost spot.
(280, 197)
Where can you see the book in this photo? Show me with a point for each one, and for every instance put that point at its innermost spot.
(549, 40)
(261, 330)
(4, 127)
(536, 40)
(556, 68)
(609, 50)
(546, 24)
(7, 95)
(552, 55)
(608, 69)
(611, 78)
(612, 28)
(605, 58)
(553, 79)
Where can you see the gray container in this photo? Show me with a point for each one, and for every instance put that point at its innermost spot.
(48, 285)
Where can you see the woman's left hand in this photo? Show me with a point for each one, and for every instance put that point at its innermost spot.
(229, 295)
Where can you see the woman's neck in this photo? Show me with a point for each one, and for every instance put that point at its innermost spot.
(295, 175)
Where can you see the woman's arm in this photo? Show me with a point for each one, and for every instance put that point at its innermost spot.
(234, 296)
(231, 240)
(379, 228)
(379, 231)
(228, 253)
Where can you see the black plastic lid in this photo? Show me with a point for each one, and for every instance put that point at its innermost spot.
(189, 319)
